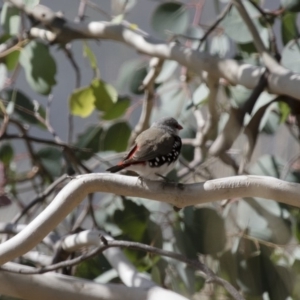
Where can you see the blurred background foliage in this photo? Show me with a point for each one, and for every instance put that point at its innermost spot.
(253, 243)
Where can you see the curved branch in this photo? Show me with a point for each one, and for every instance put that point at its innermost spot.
(190, 194)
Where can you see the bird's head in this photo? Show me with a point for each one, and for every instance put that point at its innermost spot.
(169, 124)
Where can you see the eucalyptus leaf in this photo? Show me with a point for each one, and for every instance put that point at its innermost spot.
(12, 60)
(170, 16)
(116, 137)
(89, 54)
(262, 220)
(291, 5)
(6, 153)
(105, 95)
(206, 229)
(289, 30)
(39, 67)
(89, 139)
(51, 160)
(291, 56)
(92, 268)
(23, 107)
(10, 19)
(236, 28)
(118, 109)
(250, 275)
(132, 220)
(81, 102)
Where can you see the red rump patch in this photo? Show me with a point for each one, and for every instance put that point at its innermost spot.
(131, 153)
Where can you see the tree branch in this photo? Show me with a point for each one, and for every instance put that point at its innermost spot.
(91, 239)
(191, 194)
(281, 81)
(61, 287)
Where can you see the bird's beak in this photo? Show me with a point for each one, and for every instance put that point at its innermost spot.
(179, 127)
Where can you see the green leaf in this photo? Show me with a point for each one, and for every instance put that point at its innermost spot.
(279, 280)
(239, 95)
(263, 219)
(206, 229)
(3, 75)
(132, 220)
(136, 80)
(267, 165)
(170, 16)
(31, 3)
(93, 267)
(23, 107)
(51, 160)
(118, 109)
(131, 76)
(229, 266)
(39, 67)
(236, 28)
(116, 137)
(89, 54)
(12, 59)
(289, 29)
(105, 95)
(187, 151)
(6, 153)
(250, 275)
(291, 56)
(272, 122)
(81, 102)
(284, 111)
(10, 19)
(291, 5)
(89, 139)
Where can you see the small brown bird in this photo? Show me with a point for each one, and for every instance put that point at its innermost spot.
(154, 152)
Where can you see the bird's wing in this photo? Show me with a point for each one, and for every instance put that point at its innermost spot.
(149, 144)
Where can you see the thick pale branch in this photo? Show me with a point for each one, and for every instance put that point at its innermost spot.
(281, 81)
(191, 194)
(60, 287)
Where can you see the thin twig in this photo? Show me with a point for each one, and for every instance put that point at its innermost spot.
(148, 86)
(215, 24)
(40, 197)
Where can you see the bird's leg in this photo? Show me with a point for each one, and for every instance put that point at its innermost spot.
(167, 180)
(141, 180)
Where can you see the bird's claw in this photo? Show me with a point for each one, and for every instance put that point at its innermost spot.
(141, 180)
(168, 181)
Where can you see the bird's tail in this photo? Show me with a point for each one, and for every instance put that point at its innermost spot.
(116, 168)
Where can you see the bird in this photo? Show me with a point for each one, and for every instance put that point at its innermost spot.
(154, 152)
